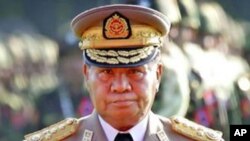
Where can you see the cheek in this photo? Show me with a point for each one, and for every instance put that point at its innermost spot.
(151, 83)
(96, 85)
(97, 90)
(146, 89)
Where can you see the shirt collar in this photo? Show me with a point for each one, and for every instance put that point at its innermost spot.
(137, 132)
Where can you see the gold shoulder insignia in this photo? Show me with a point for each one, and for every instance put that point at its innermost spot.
(195, 131)
(55, 132)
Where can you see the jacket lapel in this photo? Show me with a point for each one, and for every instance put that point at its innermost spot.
(155, 130)
(92, 125)
(95, 125)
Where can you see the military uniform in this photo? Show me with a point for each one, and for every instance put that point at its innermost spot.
(122, 36)
(159, 129)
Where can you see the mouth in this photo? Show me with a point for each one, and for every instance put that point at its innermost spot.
(123, 103)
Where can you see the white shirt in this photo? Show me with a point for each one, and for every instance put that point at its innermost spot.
(137, 132)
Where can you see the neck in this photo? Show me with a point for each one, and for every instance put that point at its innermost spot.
(123, 124)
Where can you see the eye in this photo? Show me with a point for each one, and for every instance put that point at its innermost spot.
(106, 71)
(136, 73)
(105, 74)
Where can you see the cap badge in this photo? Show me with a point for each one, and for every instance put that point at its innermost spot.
(116, 26)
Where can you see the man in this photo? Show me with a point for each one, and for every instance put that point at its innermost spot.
(122, 71)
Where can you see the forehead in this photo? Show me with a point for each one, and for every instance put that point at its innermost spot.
(144, 67)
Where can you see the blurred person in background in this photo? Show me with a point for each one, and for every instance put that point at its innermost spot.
(24, 76)
(68, 98)
(212, 43)
(30, 77)
(174, 89)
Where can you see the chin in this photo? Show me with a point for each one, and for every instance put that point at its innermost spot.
(123, 114)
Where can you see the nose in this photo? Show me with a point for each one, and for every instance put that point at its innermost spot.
(120, 84)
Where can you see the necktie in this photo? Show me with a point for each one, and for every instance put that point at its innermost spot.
(123, 137)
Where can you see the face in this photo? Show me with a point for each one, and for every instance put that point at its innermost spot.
(122, 96)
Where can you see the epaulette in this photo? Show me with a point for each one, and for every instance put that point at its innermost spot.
(55, 132)
(195, 131)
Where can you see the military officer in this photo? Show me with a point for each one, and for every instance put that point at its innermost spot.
(122, 70)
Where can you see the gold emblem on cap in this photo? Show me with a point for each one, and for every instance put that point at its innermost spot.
(116, 26)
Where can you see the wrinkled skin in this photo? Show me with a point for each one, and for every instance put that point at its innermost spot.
(123, 96)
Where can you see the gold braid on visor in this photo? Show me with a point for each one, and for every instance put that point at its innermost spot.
(142, 35)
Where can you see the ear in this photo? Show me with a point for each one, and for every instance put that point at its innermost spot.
(159, 71)
(85, 71)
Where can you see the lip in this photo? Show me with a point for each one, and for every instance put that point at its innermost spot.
(123, 103)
